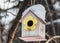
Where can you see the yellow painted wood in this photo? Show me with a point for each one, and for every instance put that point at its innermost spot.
(32, 19)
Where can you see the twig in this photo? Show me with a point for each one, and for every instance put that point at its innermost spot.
(31, 2)
(13, 29)
(12, 13)
(0, 33)
(13, 34)
(54, 37)
(50, 37)
(0, 37)
(50, 17)
(34, 2)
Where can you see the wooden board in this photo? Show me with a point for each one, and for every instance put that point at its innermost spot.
(39, 30)
(32, 39)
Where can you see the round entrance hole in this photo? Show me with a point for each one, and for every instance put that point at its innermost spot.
(30, 23)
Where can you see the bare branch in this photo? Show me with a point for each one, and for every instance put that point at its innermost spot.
(13, 29)
(50, 17)
(54, 37)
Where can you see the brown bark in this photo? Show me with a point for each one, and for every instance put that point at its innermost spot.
(0, 37)
(53, 27)
(13, 29)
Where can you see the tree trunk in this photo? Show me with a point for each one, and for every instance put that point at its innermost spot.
(13, 29)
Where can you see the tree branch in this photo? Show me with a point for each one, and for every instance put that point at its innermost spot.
(50, 17)
(54, 37)
(13, 29)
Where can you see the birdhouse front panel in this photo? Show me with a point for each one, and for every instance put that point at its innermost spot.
(32, 26)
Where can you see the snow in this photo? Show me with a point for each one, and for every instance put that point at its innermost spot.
(6, 20)
(57, 6)
(55, 21)
(11, 15)
(21, 0)
(5, 4)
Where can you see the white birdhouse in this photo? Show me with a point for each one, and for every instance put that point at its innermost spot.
(33, 23)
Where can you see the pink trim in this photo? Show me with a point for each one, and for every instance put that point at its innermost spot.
(31, 39)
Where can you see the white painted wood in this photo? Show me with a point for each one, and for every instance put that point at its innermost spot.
(39, 30)
(38, 9)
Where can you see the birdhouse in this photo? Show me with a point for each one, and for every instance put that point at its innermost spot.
(33, 23)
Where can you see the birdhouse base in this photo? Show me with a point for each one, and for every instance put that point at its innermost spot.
(32, 39)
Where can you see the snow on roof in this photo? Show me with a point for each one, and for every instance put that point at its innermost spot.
(38, 9)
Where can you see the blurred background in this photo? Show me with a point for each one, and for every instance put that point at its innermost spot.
(11, 12)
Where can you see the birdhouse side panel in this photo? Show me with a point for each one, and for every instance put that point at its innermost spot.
(41, 29)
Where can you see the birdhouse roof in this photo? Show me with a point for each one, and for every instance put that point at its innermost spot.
(38, 10)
